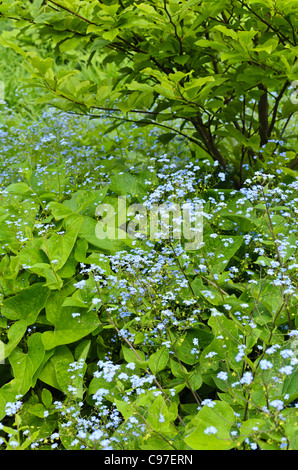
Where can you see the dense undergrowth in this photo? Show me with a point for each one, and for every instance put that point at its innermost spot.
(139, 343)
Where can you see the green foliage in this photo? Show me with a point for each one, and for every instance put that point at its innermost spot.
(138, 343)
(222, 70)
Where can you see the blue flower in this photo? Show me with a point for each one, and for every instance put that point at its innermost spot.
(222, 375)
(210, 430)
(265, 365)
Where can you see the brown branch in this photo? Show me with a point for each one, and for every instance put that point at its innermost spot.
(175, 28)
(72, 12)
(280, 35)
(208, 140)
(275, 109)
(263, 108)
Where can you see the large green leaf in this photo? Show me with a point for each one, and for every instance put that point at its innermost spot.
(161, 416)
(8, 393)
(84, 201)
(223, 248)
(53, 281)
(106, 245)
(221, 417)
(31, 253)
(59, 247)
(158, 360)
(14, 336)
(55, 371)
(185, 345)
(126, 184)
(22, 369)
(68, 328)
(36, 353)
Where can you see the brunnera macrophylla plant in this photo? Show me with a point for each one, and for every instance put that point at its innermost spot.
(138, 343)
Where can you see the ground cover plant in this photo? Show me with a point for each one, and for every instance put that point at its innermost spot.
(136, 342)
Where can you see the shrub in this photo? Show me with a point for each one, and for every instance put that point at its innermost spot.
(223, 69)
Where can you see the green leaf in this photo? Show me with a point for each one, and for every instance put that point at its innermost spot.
(53, 281)
(54, 372)
(245, 37)
(42, 65)
(195, 380)
(290, 385)
(125, 408)
(147, 8)
(70, 44)
(81, 250)
(46, 397)
(69, 268)
(185, 345)
(82, 350)
(156, 443)
(31, 253)
(14, 335)
(110, 35)
(179, 370)
(59, 247)
(97, 383)
(81, 200)
(22, 369)
(8, 393)
(227, 31)
(36, 6)
(106, 245)
(68, 328)
(224, 248)
(36, 352)
(159, 360)
(19, 188)
(221, 417)
(268, 46)
(126, 184)
(59, 211)
(248, 426)
(160, 417)
(198, 82)
(138, 358)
